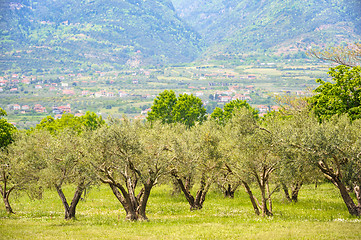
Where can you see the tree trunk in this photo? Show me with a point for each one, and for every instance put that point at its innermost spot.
(265, 211)
(63, 200)
(250, 194)
(5, 193)
(134, 206)
(357, 190)
(186, 193)
(7, 203)
(144, 200)
(285, 190)
(187, 185)
(269, 198)
(124, 199)
(201, 194)
(70, 210)
(295, 190)
(75, 200)
(197, 202)
(229, 191)
(336, 180)
(350, 204)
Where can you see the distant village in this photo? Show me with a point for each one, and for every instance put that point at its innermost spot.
(215, 88)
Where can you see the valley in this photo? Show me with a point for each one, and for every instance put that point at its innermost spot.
(131, 92)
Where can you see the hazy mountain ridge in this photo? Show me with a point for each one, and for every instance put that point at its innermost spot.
(241, 26)
(95, 32)
(101, 34)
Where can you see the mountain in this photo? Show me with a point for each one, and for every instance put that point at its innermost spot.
(106, 34)
(93, 33)
(279, 26)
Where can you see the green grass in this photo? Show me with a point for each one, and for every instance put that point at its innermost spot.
(319, 214)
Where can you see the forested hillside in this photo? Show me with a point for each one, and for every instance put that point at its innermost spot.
(243, 26)
(102, 35)
(80, 33)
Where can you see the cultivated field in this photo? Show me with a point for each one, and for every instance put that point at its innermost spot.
(319, 214)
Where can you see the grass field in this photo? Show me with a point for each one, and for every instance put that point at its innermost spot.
(319, 214)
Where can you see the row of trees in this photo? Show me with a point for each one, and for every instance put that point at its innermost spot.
(233, 148)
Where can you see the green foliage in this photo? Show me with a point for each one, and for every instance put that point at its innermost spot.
(162, 108)
(186, 109)
(223, 116)
(6, 130)
(21, 164)
(343, 96)
(333, 147)
(66, 159)
(252, 155)
(89, 121)
(189, 110)
(197, 151)
(126, 155)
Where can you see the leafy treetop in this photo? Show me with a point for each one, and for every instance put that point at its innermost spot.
(222, 116)
(342, 96)
(6, 130)
(89, 121)
(186, 109)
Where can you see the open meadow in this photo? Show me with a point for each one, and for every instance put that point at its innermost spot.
(319, 214)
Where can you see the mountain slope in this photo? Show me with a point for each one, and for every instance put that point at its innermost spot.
(93, 32)
(242, 26)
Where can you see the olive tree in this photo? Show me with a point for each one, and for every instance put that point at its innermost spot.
(67, 162)
(198, 159)
(67, 155)
(127, 155)
(21, 163)
(293, 169)
(253, 158)
(334, 147)
(227, 181)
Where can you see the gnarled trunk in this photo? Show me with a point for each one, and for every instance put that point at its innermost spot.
(262, 181)
(197, 202)
(5, 193)
(285, 190)
(335, 178)
(350, 204)
(188, 184)
(295, 189)
(229, 191)
(134, 206)
(264, 208)
(70, 210)
(7, 203)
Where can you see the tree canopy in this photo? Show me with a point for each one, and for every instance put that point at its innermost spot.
(89, 121)
(341, 96)
(6, 130)
(186, 109)
(222, 116)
